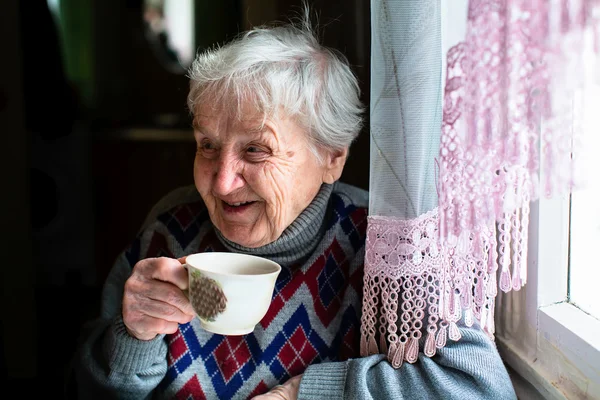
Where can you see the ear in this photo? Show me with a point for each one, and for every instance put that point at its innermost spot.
(334, 165)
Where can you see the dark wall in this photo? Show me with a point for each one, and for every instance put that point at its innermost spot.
(345, 25)
(17, 305)
(86, 157)
(131, 87)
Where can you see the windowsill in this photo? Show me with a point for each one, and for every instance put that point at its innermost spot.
(584, 326)
(527, 371)
(575, 336)
(564, 363)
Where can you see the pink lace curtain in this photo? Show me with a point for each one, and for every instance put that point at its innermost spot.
(455, 164)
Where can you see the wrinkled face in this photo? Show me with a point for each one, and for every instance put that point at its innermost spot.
(254, 180)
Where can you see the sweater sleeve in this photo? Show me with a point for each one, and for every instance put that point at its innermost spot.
(110, 363)
(470, 368)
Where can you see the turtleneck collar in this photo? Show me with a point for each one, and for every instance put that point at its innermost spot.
(298, 240)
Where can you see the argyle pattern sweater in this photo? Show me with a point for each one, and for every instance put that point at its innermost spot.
(312, 326)
(314, 316)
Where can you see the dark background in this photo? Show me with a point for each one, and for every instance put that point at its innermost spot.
(94, 130)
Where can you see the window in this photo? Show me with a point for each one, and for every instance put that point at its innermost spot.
(549, 333)
(584, 262)
(546, 339)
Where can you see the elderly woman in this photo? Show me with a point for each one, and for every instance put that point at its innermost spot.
(274, 115)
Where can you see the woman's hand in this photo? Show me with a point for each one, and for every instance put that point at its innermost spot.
(287, 391)
(154, 301)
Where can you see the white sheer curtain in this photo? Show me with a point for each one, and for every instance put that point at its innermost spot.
(406, 112)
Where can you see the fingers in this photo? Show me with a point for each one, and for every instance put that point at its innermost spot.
(287, 391)
(278, 392)
(170, 295)
(162, 310)
(169, 270)
(140, 292)
(153, 299)
(274, 394)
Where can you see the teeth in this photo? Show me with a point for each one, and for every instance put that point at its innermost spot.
(238, 204)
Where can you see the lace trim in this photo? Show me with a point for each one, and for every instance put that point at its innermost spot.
(416, 289)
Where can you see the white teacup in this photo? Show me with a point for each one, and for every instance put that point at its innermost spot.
(230, 292)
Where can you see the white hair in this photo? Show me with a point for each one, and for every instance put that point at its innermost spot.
(282, 69)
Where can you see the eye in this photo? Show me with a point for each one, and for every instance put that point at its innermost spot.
(206, 148)
(256, 153)
(207, 145)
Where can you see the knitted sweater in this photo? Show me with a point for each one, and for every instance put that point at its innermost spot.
(311, 327)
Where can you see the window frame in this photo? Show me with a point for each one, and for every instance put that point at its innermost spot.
(561, 344)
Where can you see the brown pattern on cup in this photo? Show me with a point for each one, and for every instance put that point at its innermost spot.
(206, 296)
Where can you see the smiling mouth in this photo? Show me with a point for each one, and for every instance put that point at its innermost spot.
(238, 204)
(237, 207)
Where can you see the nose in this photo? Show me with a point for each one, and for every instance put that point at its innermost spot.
(227, 175)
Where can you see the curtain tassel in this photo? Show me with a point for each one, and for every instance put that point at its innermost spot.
(397, 354)
(429, 349)
(412, 353)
